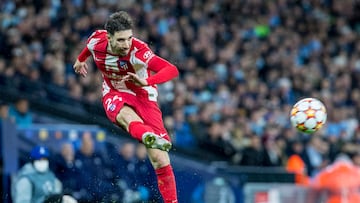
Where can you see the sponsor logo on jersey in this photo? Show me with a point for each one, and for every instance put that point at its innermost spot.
(147, 54)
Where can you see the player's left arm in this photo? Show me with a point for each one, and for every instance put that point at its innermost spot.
(164, 71)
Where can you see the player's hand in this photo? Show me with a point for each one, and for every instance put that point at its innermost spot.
(80, 68)
(136, 79)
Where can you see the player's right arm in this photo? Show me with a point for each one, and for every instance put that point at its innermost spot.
(80, 66)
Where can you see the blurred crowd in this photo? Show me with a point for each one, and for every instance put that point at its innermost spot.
(122, 173)
(242, 65)
(88, 173)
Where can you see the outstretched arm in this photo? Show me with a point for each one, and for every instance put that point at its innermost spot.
(80, 65)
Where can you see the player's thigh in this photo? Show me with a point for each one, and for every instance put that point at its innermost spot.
(127, 115)
(158, 158)
(118, 110)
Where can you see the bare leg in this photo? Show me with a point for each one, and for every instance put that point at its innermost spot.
(126, 116)
(132, 123)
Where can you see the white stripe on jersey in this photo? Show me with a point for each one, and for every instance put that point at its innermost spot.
(111, 62)
(91, 45)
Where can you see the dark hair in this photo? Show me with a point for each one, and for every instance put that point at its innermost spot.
(118, 21)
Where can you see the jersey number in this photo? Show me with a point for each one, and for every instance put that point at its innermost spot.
(109, 103)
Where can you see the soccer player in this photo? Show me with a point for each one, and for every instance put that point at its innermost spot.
(131, 72)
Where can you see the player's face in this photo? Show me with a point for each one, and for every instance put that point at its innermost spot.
(120, 42)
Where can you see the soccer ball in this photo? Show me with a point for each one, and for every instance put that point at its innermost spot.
(308, 115)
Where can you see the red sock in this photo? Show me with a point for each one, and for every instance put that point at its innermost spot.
(137, 129)
(166, 183)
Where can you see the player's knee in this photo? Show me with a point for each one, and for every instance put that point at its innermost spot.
(125, 116)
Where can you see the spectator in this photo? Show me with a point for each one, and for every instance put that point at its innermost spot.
(253, 155)
(314, 156)
(134, 174)
(145, 178)
(124, 171)
(4, 111)
(20, 113)
(217, 141)
(34, 182)
(65, 169)
(93, 181)
(273, 154)
(124, 163)
(295, 164)
(183, 136)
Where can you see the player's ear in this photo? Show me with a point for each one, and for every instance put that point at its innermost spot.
(108, 35)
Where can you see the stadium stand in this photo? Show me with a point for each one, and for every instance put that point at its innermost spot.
(242, 65)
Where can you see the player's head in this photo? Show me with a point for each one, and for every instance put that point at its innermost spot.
(119, 27)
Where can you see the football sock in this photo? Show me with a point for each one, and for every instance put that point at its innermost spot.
(166, 183)
(138, 128)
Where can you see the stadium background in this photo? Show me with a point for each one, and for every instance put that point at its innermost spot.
(242, 65)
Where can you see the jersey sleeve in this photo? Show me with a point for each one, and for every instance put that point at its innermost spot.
(164, 70)
(144, 53)
(85, 53)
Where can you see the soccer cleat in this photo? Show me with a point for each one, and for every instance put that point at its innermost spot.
(151, 140)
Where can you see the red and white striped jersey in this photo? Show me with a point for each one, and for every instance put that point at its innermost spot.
(115, 67)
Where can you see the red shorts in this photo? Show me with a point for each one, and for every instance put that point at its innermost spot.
(148, 111)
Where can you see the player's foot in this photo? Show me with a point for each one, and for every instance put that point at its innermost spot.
(154, 141)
